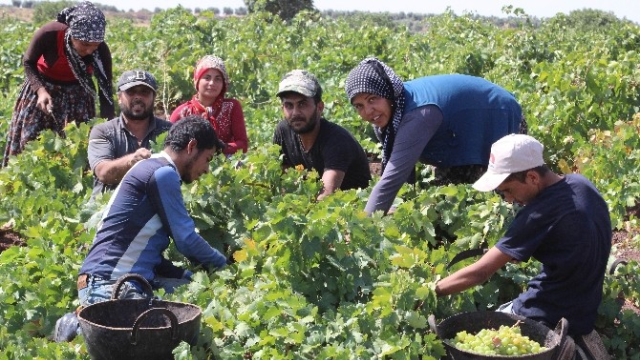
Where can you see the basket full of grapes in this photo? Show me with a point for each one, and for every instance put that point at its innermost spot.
(496, 335)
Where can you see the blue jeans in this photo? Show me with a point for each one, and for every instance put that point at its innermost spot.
(99, 290)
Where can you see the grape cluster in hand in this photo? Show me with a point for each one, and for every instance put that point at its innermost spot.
(504, 341)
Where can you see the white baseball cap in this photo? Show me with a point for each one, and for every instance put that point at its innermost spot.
(511, 154)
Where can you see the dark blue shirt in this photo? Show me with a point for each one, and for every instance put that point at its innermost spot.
(145, 210)
(568, 229)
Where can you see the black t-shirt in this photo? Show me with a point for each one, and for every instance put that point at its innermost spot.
(334, 149)
(567, 228)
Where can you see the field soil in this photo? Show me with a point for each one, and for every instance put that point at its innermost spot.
(9, 238)
(626, 249)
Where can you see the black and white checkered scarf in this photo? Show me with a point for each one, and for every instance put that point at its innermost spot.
(86, 23)
(375, 77)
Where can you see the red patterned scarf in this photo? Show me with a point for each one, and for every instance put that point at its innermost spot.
(218, 115)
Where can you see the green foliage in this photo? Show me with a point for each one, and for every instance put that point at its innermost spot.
(45, 11)
(321, 279)
(610, 157)
(586, 20)
(285, 9)
(11, 51)
(39, 191)
(623, 284)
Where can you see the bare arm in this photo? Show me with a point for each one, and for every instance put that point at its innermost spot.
(474, 274)
(110, 172)
(331, 181)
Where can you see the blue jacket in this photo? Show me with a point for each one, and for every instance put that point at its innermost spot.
(144, 211)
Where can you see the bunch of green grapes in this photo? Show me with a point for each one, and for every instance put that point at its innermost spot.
(504, 341)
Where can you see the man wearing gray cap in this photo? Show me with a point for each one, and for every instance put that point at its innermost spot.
(116, 145)
(309, 140)
(564, 224)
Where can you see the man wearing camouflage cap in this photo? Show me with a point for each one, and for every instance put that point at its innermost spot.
(309, 140)
(116, 145)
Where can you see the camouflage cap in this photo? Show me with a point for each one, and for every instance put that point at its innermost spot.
(301, 82)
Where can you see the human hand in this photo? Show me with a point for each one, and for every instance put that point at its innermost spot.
(45, 102)
(140, 154)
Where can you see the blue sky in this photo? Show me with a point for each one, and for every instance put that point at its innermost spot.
(629, 9)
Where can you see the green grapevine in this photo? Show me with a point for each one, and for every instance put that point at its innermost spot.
(504, 341)
(321, 280)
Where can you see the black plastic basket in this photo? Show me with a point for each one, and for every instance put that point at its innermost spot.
(473, 322)
(141, 329)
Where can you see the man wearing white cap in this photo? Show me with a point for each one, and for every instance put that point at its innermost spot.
(564, 224)
(310, 140)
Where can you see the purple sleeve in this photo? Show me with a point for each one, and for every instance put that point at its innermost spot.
(415, 131)
(180, 225)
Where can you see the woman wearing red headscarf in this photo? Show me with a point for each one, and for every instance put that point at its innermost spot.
(225, 115)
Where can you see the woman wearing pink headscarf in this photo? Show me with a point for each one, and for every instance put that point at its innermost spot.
(225, 115)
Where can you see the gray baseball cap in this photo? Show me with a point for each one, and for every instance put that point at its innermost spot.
(301, 82)
(131, 78)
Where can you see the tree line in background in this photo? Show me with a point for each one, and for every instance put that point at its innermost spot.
(298, 289)
(287, 9)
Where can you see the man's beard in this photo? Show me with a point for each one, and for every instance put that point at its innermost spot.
(186, 177)
(310, 125)
(130, 115)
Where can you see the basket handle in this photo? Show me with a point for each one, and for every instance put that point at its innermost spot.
(127, 277)
(562, 329)
(136, 325)
(566, 346)
(432, 324)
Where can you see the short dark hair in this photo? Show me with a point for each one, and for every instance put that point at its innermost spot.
(317, 98)
(192, 127)
(520, 176)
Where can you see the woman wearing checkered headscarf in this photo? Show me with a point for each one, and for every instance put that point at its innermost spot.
(448, 121)
(59, 64)
(211, 81)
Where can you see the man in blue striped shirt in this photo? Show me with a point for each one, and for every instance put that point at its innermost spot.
(146, 210)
